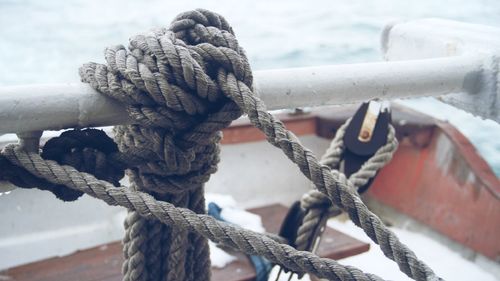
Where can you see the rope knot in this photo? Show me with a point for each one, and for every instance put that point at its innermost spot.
(175, 84)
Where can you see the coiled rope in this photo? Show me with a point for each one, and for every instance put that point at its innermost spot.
(182, 85)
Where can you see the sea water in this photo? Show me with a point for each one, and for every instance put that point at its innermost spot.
(46, 41)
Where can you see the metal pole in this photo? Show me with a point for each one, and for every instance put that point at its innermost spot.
(57, 106)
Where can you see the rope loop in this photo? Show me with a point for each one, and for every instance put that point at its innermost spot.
(317, 205)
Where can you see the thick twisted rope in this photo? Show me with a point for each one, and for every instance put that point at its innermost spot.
(197, 71)
(147, 206)
(330, 182)
(317, 206)
(167, 84)
(315, 203)
(89, 150)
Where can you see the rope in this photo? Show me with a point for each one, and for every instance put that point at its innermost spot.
(196, 72)
(330, 182)
(317, 206)
(262, 266)
(147, 206)
(89, 150)
(162, 79)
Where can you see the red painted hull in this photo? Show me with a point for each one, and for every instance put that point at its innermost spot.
(436, 175)
(447, 186)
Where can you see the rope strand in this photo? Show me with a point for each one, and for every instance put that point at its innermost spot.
(148, 207)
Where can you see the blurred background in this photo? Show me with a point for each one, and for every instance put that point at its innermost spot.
(46, 41)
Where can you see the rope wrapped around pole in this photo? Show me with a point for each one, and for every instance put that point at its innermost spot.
(166, 79)
(182, 85)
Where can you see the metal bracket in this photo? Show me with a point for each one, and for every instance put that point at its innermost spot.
(437, 38)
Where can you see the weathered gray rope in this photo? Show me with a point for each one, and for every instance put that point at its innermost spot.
(328, 181)
(168, 91)
(332, 183)
(135, 248)
(190, 69)
(317, 205)
(148, 207)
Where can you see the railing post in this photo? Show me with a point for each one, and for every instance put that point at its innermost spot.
(30, 141)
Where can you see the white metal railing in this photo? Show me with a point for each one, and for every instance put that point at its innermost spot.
(42, 107)
(454, 61)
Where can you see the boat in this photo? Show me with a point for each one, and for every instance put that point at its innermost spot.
(436, 182)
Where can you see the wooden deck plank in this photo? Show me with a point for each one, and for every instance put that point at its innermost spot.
(104, 262)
